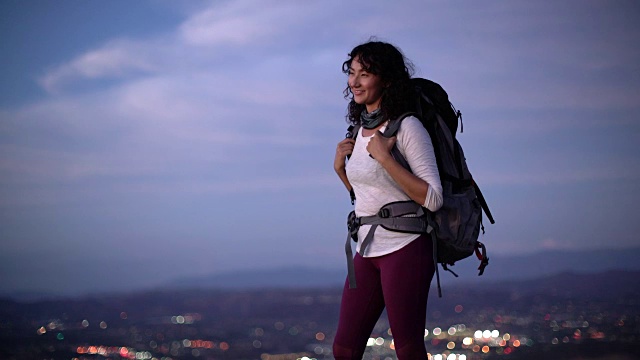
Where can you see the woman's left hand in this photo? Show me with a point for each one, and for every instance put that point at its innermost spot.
(379, 147)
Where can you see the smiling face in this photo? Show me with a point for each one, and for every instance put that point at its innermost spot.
(367, 88)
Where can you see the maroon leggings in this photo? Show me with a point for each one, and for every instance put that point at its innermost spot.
(400, 281)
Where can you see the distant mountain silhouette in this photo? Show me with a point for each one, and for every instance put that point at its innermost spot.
(501, 268)
(558, 261)
(608, 284)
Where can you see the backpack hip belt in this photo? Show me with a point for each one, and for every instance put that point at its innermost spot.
(399, 216)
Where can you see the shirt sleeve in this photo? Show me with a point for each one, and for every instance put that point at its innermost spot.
(415, 145)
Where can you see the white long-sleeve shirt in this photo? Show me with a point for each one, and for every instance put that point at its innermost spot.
(374, 187)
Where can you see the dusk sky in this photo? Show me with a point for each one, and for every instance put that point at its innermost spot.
(145, 141)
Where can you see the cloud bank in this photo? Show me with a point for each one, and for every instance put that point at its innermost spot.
(236, 111)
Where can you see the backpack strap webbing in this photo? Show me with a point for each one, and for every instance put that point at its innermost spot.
(434, 241)
(351, 272)
(394, 125)
(483, 202)
(352, 133)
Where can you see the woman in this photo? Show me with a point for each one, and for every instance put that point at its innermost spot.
(396, 269)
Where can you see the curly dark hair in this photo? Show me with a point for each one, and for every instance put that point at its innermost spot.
(388, 62)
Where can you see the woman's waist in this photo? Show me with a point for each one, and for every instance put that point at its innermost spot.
(370, 207)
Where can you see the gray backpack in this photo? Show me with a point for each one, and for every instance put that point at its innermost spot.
(455, 227)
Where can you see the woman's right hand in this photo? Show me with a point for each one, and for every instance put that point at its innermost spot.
(344, 149)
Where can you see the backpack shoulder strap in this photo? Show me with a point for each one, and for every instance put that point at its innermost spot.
(394, 125)
(392, 130)
(352, 131)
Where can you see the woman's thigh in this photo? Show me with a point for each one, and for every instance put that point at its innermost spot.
(406, 276)
(359, 311)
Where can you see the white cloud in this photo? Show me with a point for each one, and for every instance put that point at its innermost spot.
(237, 22)
(150, 126)
(229, 38)
(115, 59)
(254, 22)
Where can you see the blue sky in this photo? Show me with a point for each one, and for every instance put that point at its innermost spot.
(146, 141)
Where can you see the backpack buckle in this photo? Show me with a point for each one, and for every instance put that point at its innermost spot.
(353, 224)
(384, 213)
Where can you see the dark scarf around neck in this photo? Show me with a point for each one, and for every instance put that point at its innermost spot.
(371, 120)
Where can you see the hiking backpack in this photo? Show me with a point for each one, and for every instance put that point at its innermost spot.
(455, 227)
